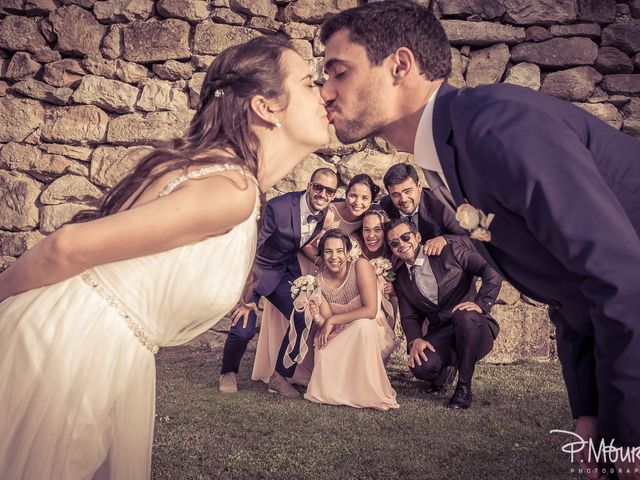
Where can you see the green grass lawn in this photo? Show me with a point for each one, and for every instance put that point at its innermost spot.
(203, 434)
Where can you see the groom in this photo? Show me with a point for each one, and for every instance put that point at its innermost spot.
(564, 188)
(289, 222)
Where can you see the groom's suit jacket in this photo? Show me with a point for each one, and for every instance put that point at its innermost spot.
(454, 270)
(565, 191)
(279, 241)
(434, 218)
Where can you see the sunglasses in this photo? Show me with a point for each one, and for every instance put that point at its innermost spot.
(318, 188)
(405, 237)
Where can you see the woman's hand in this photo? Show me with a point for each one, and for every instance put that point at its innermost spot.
(314, 310)
(388, 290)
(242, 311)
(323, 335)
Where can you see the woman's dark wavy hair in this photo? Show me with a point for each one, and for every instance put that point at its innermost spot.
(221, 122)
(335, 233)
(364, 179)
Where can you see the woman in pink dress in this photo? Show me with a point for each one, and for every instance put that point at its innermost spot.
(355, 338)
(372, 241)
(345, 215)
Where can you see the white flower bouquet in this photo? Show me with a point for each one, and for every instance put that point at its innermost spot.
(307, 284)
(383, 268)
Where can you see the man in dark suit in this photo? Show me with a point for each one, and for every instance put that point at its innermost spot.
(407, 199)
(564, 188)
(289, 222)
(445, 321)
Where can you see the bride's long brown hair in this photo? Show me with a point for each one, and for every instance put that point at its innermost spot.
(220, 124)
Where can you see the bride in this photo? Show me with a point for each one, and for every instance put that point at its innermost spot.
(163, 259)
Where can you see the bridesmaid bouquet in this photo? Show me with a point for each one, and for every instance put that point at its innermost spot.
(303, 290)
(306, 284)
(383, 268)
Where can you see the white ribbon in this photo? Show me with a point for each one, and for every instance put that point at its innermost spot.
(300, 304)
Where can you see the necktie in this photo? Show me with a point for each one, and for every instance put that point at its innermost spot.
(439, 189)
(411, 218)
(425, 281)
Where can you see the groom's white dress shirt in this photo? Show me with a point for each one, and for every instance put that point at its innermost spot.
(306, 228)
(424, 147)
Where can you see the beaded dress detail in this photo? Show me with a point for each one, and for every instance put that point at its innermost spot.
(77, 370)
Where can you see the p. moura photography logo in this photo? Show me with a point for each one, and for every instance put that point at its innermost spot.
(600, 453)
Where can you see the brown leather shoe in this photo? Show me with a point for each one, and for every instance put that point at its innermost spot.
(228, 382)
(279, 384)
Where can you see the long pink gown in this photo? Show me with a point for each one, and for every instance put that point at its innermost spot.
(350, 369)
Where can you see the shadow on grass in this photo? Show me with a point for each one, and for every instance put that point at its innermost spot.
(202, 434)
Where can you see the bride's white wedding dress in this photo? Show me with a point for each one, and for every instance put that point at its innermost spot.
(77, 370)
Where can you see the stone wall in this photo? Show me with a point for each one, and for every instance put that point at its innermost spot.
(86, 86)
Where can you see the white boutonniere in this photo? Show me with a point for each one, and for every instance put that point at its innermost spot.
(476, 221)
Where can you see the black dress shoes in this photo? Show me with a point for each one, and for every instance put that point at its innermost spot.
(461, 399)
(444, 380)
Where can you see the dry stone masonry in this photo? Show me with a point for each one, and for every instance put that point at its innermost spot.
(87, 86)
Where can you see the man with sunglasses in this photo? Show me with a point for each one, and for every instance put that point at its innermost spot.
(445, 321)
(289, 222)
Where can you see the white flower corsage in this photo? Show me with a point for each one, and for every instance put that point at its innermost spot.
(475, 220)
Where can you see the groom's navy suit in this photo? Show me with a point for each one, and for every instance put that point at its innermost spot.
(565, 191)
(277, 265)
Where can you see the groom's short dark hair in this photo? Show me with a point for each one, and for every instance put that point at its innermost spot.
(383, 27)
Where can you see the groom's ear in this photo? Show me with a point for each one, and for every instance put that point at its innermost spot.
(403, 63)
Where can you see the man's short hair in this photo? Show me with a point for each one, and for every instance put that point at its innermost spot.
(323, 171)
(383, 27)
(396, 222)
(399, 173)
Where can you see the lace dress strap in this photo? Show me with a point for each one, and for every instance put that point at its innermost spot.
(345, 293)
(209, 170)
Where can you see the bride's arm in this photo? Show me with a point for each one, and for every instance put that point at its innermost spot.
(194, 211)
(368, 289)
